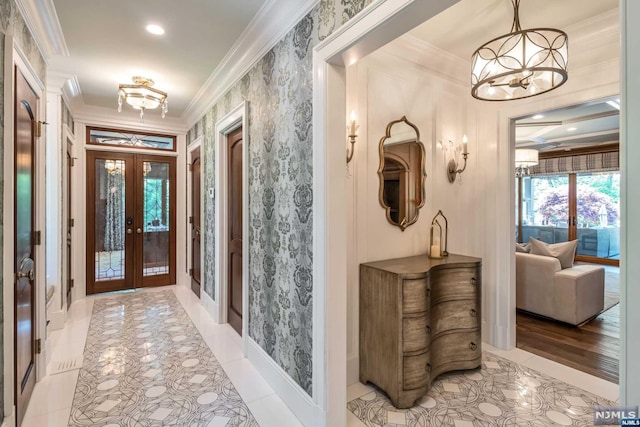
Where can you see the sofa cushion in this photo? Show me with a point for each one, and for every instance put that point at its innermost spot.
(565, 252)
(524, 248)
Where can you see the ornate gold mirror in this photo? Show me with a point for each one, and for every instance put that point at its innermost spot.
(401, 173)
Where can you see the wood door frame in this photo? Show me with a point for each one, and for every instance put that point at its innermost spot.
(197, 144)
(15, 57)
(232, 121)
(134, 207)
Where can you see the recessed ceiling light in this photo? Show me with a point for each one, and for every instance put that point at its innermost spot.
(571, 129)
(155, 29)
(537, 117)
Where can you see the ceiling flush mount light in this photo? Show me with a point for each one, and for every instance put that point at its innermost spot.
(142, 96)
(520, 64)
(525, 159)
(155, 29)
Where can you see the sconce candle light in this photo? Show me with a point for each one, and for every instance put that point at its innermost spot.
(453, 164)
(353, 129)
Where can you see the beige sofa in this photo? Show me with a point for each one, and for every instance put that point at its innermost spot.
(572, 295)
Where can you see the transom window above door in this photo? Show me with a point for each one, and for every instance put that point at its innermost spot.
(130, 139)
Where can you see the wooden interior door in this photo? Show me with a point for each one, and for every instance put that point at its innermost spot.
(234, 167)
(196, 270)
(131, 233)
(69, 225)
(26, 120)
(155, 220)
(110, 221)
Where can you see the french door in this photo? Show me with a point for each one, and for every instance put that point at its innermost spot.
(576, 206)
(131, 240)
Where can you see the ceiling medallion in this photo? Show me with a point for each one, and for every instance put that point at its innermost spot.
(142, 96)
(520, 64)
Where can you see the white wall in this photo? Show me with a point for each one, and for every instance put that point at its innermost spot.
(434, 96)
(630, 156)
(431, 87)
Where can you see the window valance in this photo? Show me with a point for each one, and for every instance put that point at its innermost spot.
(596, 162)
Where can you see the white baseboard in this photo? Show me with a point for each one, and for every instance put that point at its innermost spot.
(10, 420)
(300, 403)
(209, 305)
(353, 369)
(47, 353)
(184, 279)
(56, 320)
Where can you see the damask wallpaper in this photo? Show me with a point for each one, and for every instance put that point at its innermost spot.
(67, 118)
(279, 92)
(11, 22)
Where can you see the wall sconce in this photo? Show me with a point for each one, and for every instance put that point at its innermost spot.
(352, 128)
(438, 237)
(453, 165)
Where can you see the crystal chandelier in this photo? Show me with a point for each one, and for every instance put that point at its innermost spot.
(525, 159)
(114, 167)
(142, 96)
(520, 64)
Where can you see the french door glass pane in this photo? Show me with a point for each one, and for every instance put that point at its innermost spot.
(545, 208)
(156, 204)
(110, 219)
(598, 202)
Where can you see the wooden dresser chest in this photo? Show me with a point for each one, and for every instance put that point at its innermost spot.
(419, 317)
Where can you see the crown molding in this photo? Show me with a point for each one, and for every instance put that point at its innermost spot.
(109, 117)
(272, 22)
(42, 20)
(594, 27)
(430, 57)
(68, 86)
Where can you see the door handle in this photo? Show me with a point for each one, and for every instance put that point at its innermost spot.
(28, 274)
(139, 230)
(26, 269)
(129, 231)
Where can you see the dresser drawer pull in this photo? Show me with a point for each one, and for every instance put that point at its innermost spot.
(428, 368)
(473, 312)
(472, 346)
(428, 329)
(473, 281)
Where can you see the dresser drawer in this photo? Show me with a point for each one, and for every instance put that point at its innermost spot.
(455, 347)
(454, 283)
(414, 295)
(416, 371)
(415, 333)
(455, 314)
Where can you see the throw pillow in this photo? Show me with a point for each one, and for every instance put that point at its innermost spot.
(523, 247)
(565, 251)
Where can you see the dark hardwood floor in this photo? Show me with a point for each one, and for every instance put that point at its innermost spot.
(593, 348)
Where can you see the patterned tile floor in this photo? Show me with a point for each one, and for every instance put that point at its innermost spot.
(145, 363)
(500, 393)
(458, 399)
(174, 367)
